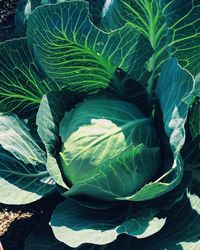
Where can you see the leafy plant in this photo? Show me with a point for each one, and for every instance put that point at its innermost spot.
(96, 106)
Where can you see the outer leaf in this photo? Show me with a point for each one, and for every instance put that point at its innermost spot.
(50, 113)
(23, 10)
(20, 19)
(21, 82)
(191, 151)
(197, 85)
(16, 138)
(145, 16)
(183, 235)
(172, 19)
(75, 223)
(42, 238)
(184, 32)
(194, 119)
(179, 86)
(22, 183)
(78, 55)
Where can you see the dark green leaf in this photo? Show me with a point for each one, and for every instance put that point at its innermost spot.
(194, 119)
(172, 26)
(42, 238)
(21, 83)
(182, 228)
(75, 223)
(191, 150)
(75, 53)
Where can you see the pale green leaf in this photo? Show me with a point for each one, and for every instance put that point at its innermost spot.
(105, 142)
(22, 183)
(50, 113)
(15, 137)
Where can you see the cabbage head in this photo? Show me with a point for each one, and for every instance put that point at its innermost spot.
(109, 146)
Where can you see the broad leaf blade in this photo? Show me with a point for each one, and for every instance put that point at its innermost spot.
(194, 119)
(171, 26)
(75, 223)
(78, 55)
(22, 183)
(16, 138)
(191, 150)
(42, 238)
(183, 32)
(21, 83)
(182, 235)
(145, 16)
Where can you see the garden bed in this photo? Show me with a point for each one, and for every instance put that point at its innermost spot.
(16, 222)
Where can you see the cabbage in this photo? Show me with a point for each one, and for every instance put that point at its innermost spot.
(108, 144)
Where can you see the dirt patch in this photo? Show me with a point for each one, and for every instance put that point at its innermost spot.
(7, 12)
(16, 222)
(8, 217)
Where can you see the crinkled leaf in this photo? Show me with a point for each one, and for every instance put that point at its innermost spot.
(16, 138)
(42, 238)
(168, 200)
(21, 83)
(74, 223)
(75, 53)
(184, 234)
(22, 183)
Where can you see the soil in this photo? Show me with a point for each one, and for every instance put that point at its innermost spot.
(7, 10)
(16, 222)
